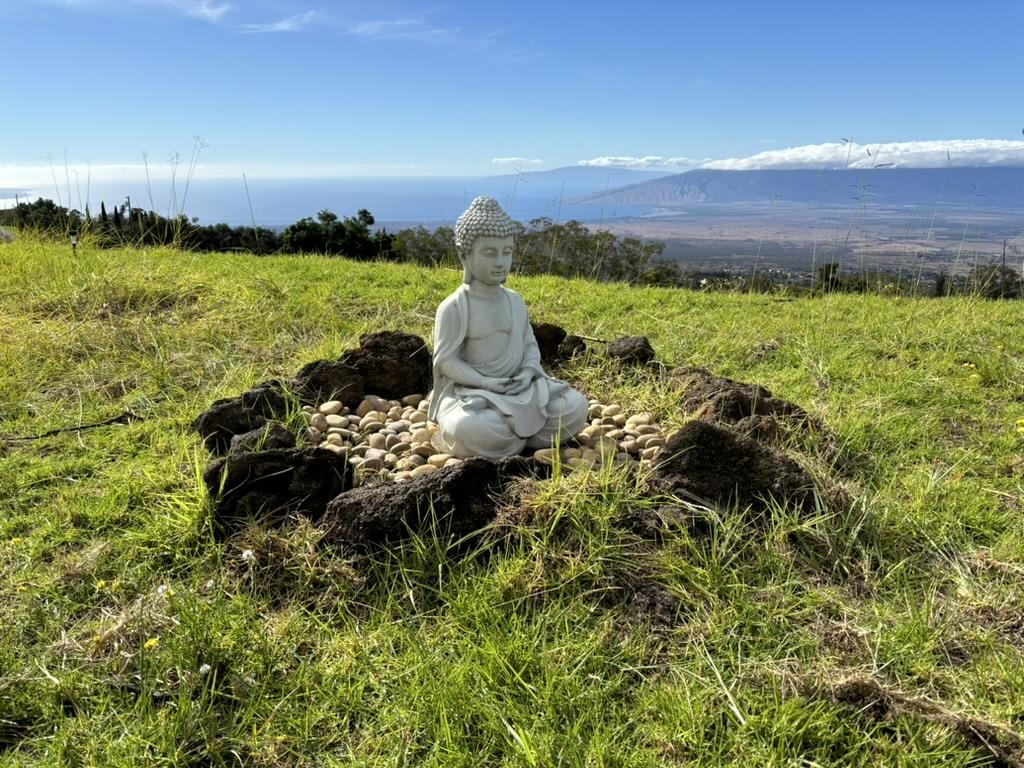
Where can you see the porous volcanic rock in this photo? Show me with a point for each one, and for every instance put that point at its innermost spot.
(571, 346)
(270, 436)
(232, 416)
(549, 339)
(324, 380)
(396, 364)
(459, 500)
(636, 350)
(750, 409)
(720, 400)
(715, 466)
(271, 485)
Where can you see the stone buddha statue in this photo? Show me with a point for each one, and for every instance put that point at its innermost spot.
(491, 396)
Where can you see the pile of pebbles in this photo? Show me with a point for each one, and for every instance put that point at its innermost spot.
(392, 439)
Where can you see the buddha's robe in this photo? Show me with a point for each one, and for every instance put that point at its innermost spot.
(478, 422)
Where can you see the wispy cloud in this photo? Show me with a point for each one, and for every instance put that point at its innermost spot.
(290, 24)
(901, 154)
(649, 161)
(207, 10)
(200, 9)
(398, 29)
(517, 161)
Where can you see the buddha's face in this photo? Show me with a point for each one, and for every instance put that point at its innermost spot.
(490, 259)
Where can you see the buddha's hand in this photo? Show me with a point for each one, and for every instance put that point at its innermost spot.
(506, 386)
(522, 381)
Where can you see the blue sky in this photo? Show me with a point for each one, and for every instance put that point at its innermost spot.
(274, 88)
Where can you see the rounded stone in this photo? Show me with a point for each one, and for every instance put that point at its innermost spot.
(331, 407)
(375, 453)
(334, 420)
(374, 464)
(412, 400)
(318, 421)
(425, 469)
(545, 455)
(438, 459)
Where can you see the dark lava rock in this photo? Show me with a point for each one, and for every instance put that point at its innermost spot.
(393, 364)
(270, 436)
(570, 347)
(717, 467)
(271, 485)
(237, 415)
(324, 380)
(720, 400)
(549, 339)
(458, 500)
(631, 349)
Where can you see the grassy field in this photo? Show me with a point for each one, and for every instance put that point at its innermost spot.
(889, 632)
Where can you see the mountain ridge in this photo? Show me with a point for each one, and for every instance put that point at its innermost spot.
(1001, 186)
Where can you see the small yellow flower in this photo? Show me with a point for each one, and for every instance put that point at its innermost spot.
(115, 585)
(969, 365)
(1020, 426)
(975, 377)
(150, 644)
(101, 584)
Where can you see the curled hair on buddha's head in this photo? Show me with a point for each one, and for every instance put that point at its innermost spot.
(483, 218)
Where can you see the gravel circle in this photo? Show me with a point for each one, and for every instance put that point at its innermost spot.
(392, 439)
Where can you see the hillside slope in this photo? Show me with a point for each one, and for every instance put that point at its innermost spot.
(583, 630)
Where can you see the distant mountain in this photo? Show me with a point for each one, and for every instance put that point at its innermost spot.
(988, 186)
(577, 179)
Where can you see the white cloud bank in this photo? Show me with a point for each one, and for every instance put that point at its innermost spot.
(898, 154)
(517, 161)
(656, 162)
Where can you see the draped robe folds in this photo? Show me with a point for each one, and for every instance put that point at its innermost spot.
(451, 404)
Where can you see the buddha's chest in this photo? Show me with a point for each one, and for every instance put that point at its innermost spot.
(488, 316)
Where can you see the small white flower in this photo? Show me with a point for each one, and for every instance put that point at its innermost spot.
(205, 669)
(162, 590)
(248, 555)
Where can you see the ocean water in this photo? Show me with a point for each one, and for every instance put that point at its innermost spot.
(278, 203)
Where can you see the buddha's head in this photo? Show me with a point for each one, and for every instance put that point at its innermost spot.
(483, 219)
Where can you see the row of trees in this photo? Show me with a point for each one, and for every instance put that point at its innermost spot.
(568, 249)
(989, 281)
(543, 246)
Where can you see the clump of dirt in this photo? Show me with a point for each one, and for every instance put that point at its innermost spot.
(878, 703)
(717, 467)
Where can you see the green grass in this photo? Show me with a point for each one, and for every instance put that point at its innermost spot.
(131, 638)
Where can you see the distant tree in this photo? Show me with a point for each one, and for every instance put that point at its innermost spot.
(828, 277)
(421, 246)
(994, 282)
(304, 236)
